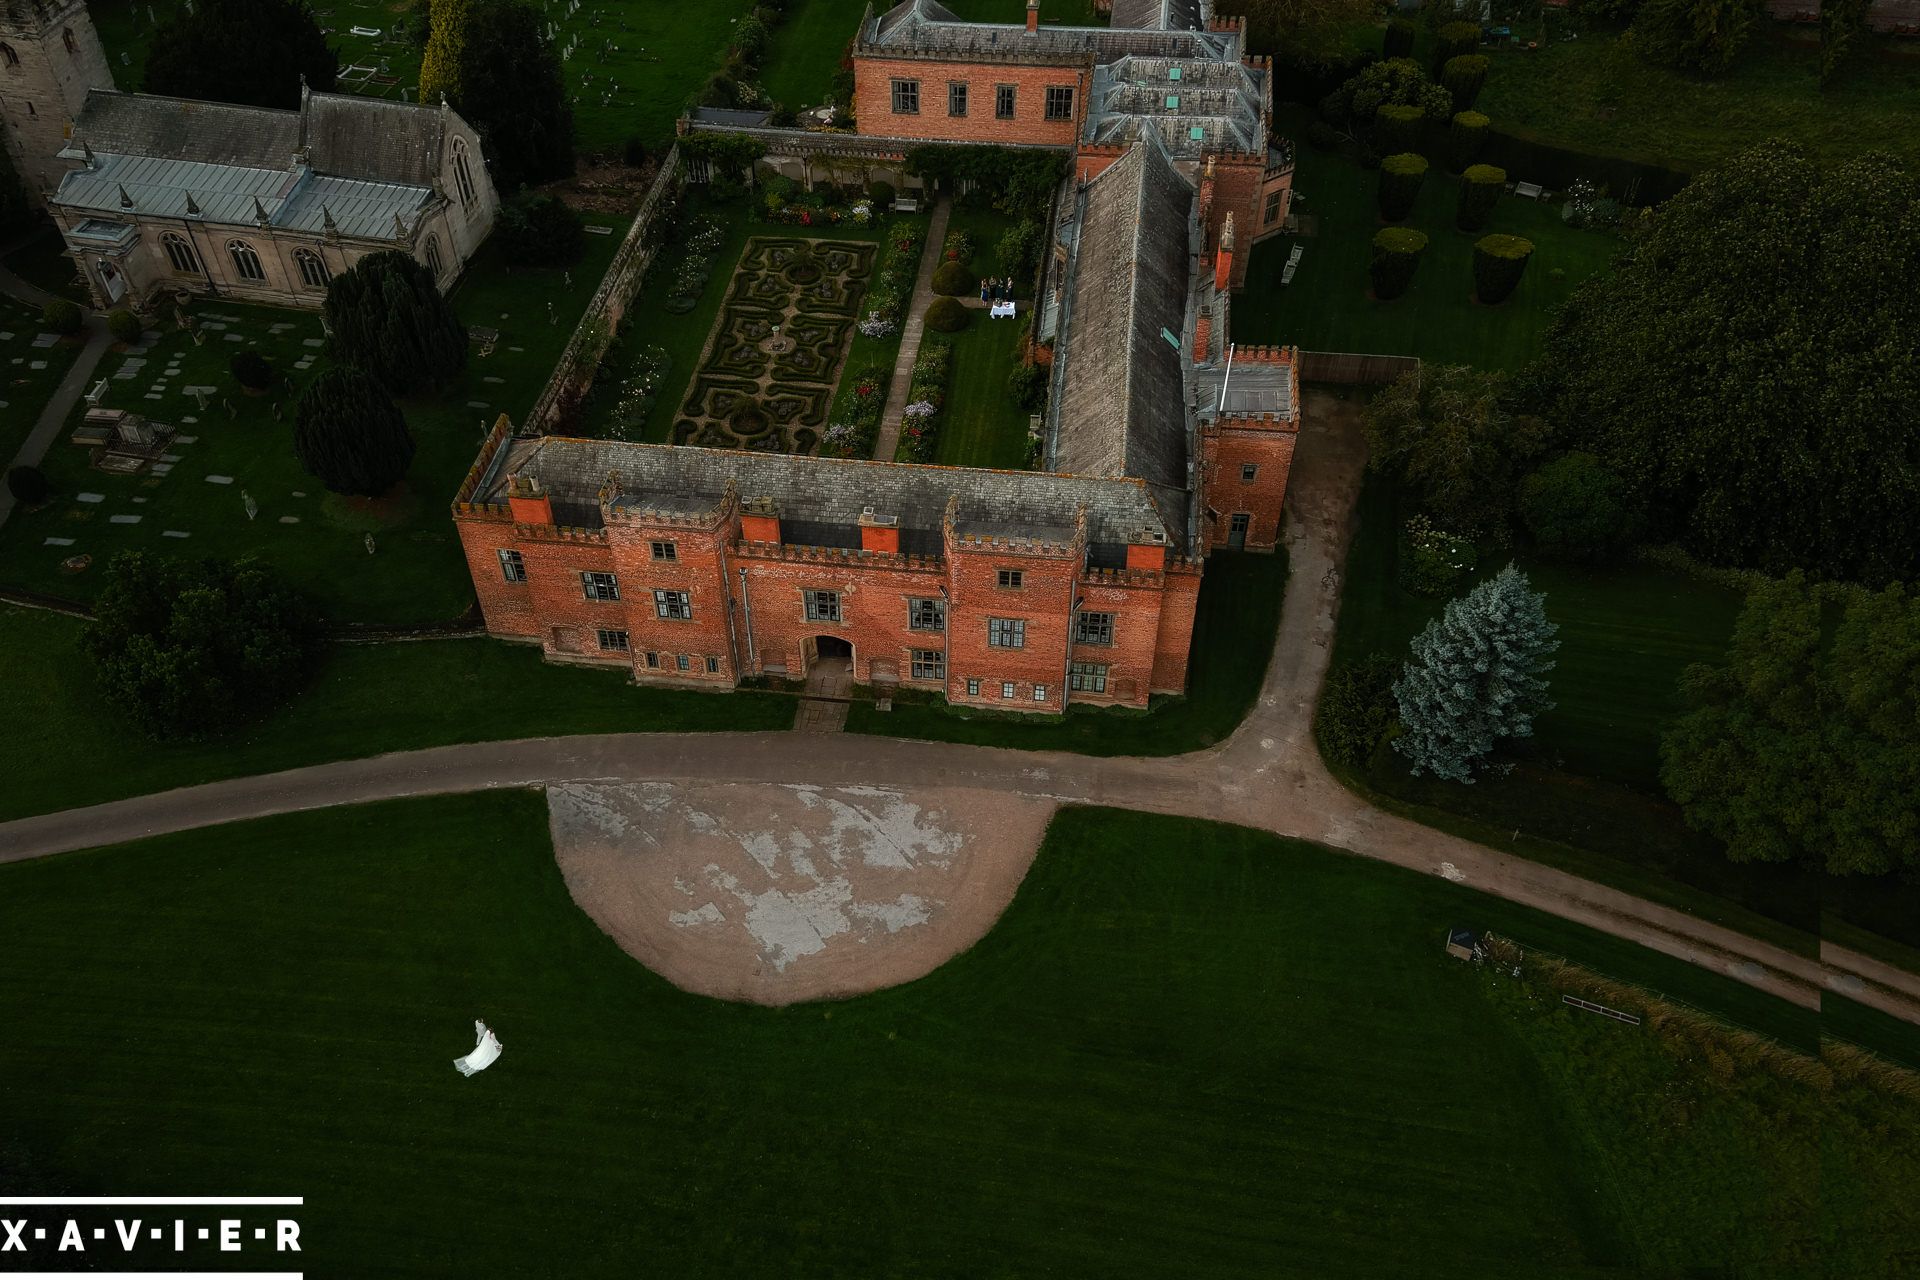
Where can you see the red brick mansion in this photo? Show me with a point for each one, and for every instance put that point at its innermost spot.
(1025, 591)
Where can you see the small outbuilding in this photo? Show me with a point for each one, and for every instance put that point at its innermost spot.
(1461, 944)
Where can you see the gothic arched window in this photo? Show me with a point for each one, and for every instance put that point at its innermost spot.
(313, 269)
(433, 255)
(180, 254)
(66, 38)
(462, 172)
(8, 56)
(245, 260)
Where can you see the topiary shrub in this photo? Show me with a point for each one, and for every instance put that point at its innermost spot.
(1454, 40)
(62, 317)
(953, 279)
(1396, 252)
(1464, 77)
(1322, 136)
(946, 315)
(1396, 128)
(1576, 509)
(1498, 263)
(251, 370)
(1399, 38)
(1465, 137)
(1400, 178)
(125, 326)
(29, 486)
(1480, 188)
(881, 193)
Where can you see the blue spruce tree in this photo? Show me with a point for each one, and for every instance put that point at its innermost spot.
(1477, 675)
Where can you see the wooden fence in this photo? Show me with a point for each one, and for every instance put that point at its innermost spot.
(1350, 368)
(617, 289)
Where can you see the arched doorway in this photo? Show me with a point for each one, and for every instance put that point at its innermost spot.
(829, 666)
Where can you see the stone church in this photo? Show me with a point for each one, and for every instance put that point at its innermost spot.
(161, 195)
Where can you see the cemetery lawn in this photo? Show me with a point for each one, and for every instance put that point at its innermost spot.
(666, 51)
(1184, 1049)
(416, 573)
(1326, 308)
(1585, 794)
(67, 747)
(1233, 632)
(25, 390)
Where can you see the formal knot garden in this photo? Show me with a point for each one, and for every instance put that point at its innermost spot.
(766, 378)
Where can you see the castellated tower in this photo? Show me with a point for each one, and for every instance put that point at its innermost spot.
(50, 56)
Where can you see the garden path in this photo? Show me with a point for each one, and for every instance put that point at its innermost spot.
(1268, 775)
(916, 326)
(54, 416)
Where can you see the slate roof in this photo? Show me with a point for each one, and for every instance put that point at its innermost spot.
(924, 26)
(819, 500)
(1250, 388)
(370, 161)
(1136, 96)
(351, 136)
(1149, 15)
(1119, 391)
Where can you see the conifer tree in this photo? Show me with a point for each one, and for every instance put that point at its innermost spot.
(387, 316)
(350, 436)
(1477, 676)
(447, 23)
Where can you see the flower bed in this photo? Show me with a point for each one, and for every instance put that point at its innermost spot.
(926, 396)
(695, 267)
(893, 282)
(858, 426)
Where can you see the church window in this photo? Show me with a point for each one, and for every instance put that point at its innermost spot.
(66, 38)
(462, 172)
(245, 261)
(313, 269)
(433, 256)
(8, 56)
(180, 254)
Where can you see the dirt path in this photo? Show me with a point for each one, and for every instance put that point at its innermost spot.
(1267, 775)
(782, 894)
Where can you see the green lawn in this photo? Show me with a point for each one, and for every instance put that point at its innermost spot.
(1586, 793)
(25, 390)
(1185, 1050)
(1595, 94)
(1233, 633)
(417, 572)
(1326, 308)
(979, 425)
(66, 747)
(664, 53)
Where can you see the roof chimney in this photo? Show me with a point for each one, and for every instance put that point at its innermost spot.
(1033, 16)
(528, 503)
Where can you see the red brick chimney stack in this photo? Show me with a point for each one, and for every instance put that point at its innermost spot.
(528, 504)
(1223, 257)
(1033, 16)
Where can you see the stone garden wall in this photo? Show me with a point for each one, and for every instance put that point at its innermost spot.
(652, 226)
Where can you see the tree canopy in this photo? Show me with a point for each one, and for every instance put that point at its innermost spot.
(1748, 365)
(1446, 434)
(188, 649)
(1804, 749)
(386, 316)
(251, 52)
(1316, 27)
(350, 435)
(509, 88)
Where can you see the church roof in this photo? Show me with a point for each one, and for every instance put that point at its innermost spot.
(367, 162)
(1119, 394)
